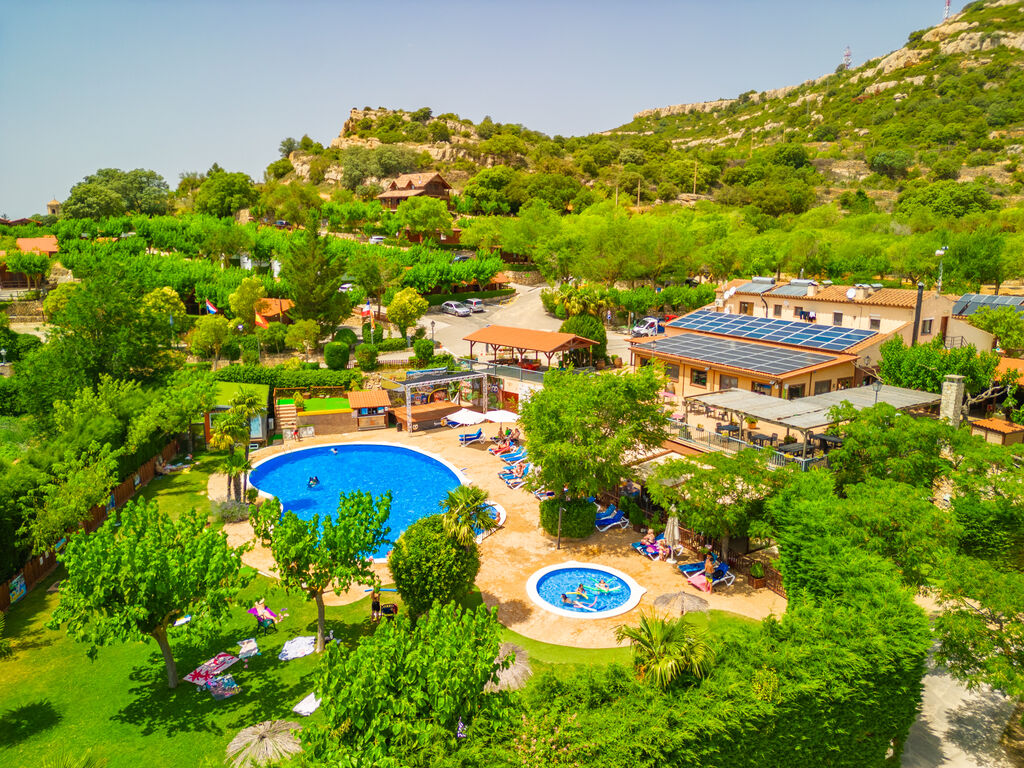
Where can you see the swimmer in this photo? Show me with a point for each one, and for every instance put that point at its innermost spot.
(313, 481)
(566, 600)
(334, 450)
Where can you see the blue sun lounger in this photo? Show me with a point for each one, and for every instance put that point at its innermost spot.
(617, 520)
(471, 437)
(688, 569)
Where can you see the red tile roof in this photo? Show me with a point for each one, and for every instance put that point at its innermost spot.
(46, 244)
(369, 398)
(274, 307)
(998, 425)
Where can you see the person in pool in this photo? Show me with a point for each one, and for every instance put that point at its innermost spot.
(604, 586)
(566, 600)
(334, 450)
(313, 482)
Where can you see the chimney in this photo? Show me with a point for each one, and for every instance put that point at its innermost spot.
(811, 290)
(861, 292)
(952, 399)
(917, 314)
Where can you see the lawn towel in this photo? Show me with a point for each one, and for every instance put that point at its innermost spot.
(223, 687)
(307, 706)
(297, 647)
(248, 648)
(206, 672)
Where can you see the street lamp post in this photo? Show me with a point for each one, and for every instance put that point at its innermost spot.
(3, 352)
(877, 386)
(431, 332)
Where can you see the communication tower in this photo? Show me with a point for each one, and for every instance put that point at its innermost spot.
(847, 57)
(946, 14)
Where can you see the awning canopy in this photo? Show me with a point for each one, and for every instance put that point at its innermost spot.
(806, 413)
(527, 340)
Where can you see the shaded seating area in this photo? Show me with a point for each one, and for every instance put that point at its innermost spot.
(515, 345)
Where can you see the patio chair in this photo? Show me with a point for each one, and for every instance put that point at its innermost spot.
(543, 494)
(641, 549)
(265, 625)
(618, 520)
(515, 457)
(509, 472)
(721, 575)
(389, 610)
(688, 569)
(471, 437)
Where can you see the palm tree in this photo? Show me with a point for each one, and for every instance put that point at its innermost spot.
(235, 467)
(666, 649)
(467, 513)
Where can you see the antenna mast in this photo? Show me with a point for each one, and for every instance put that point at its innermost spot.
(946, 15)
(847, 57)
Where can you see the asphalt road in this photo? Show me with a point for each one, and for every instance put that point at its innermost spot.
(525, 310)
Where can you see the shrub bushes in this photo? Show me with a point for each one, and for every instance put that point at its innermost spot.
(346, 336)
(366, 357)
(373, 335)
(336, 355)
(427, 565)
(424, 349)
(577, 520)
(391, 345)
(279, 376)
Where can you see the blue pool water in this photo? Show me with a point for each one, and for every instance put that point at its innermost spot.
(553, 585)
(417, 482)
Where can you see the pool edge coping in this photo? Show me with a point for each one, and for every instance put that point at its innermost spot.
(636, 591)
(261, 494)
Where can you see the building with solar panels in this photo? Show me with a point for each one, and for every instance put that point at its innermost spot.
(707, 351)
(869, 307)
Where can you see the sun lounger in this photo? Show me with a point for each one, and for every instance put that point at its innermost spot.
(514, 458)
(690, 568)
(607, 513)
(722, 575)
(518, 482)
(510, 474)
(640, 548)
(618, 520)
(467, 438)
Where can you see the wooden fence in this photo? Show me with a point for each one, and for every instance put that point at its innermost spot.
(739, 563)
(40, 566)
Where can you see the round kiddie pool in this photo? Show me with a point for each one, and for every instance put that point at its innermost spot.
(605, 591)
(417, 480)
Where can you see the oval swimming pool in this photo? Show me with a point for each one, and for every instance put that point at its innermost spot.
(584, 590)
(416, 480)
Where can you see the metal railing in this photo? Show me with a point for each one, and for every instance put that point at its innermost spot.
(729, 444)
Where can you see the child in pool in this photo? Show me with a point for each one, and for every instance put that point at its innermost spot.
(566, 600)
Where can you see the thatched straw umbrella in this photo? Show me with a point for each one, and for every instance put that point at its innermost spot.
(679, 603)
(260, 744)
(516, 675)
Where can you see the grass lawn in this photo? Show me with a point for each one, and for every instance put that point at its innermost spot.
(327, 404)
(54, 698)
(181, 491)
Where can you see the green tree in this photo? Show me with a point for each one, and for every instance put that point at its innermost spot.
(112, 192)
(208, 336)
(36, 266)
(583, 431)
(892, 163)
(92, 201)
(288, 146)
(80, 483)
(372, 271)
(430, 567)
(401, 694)
(246, 300)
(424, 215)
(925, 366)
(314, 275)
(303, 335)
(1006, 324)
(292, 202)
(406, 308)
(667, 649)
(720, 495)
(141, 571)
(190, 393)
(314, 556)
(466, 513)
(224, 194)
(589, 327)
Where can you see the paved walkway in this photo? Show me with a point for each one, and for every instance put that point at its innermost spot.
(958, 728)
(512, 554)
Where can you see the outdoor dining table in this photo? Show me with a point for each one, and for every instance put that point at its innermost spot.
(727, 428)
(793, 448)
(833, 440)
(759, 438)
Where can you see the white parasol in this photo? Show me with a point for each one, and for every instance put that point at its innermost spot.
(466, 417)
(500, 417)
(672, 536)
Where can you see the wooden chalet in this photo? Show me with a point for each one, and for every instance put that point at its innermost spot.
(430, 184)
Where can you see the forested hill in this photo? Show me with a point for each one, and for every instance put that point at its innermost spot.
(949, 105)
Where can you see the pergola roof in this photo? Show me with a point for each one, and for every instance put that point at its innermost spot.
(369, 398)
(526, 339)
(810, 412)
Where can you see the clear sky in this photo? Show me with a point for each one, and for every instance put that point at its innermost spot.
(176, 85)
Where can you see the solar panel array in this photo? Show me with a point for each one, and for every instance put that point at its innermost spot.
(798, 334)
(756, 286)
(792, 289)
(773, 361)
(970, 303)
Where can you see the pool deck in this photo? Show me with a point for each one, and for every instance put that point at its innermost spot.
(510, 555)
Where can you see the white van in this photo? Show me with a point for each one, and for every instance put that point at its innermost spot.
(475, 305)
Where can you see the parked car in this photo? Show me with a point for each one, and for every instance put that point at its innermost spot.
(461, 257)
(648, 326)
(476, 305)
(456, 308)
(346, 287)
(377, 240)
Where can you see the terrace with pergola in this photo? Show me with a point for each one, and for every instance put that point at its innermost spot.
(518, 342)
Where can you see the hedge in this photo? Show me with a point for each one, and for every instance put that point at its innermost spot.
(436, 299)
(346, 336)
(279, 377)
(577, 520)
(366, 357)
(336, 355)
(392, 345)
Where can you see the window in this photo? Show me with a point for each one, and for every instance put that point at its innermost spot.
(874, 323)
(672, 371)
(698, 377)
(926, 327)
(821, 387)
(796, 391)
(777, 310)
(844, 383)
(728, 382)
(642, 361)
(746, 308)
(797, 312)
(837, 318)
(761, 388)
